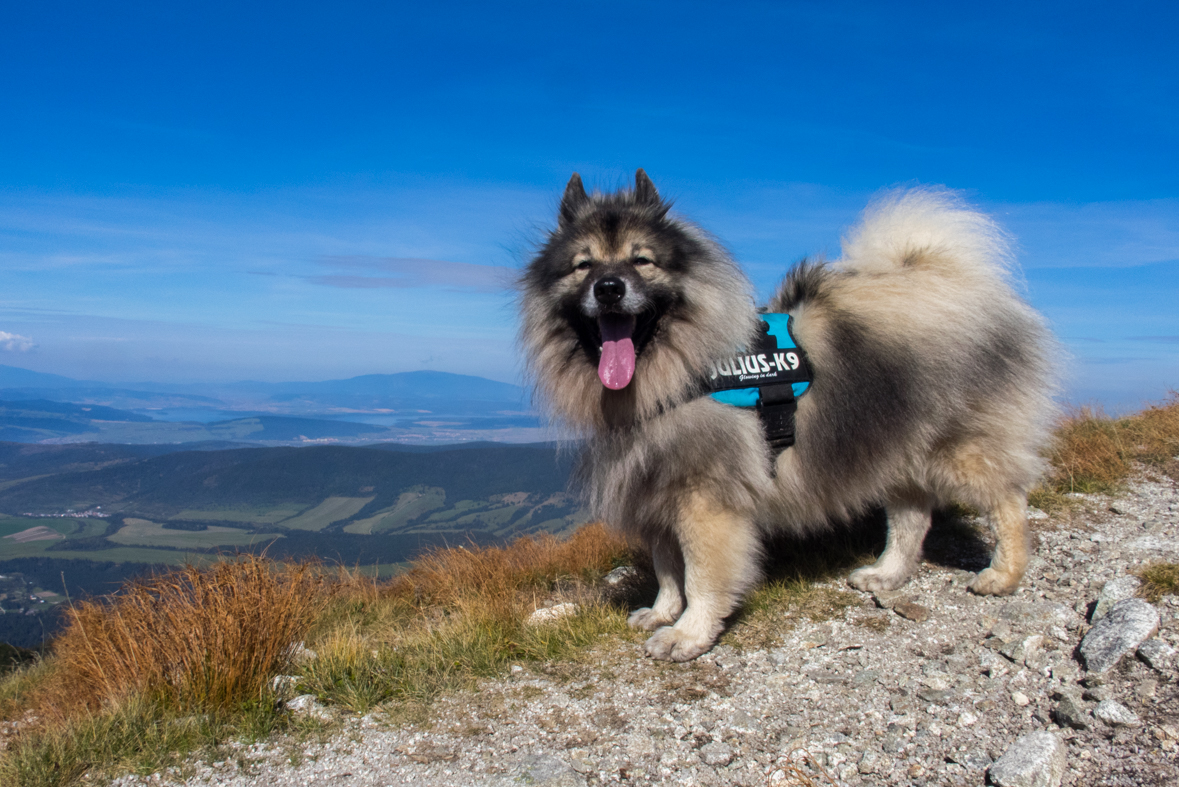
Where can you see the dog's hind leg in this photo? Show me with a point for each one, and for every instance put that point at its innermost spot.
(669, 570)
(1009, 519)
(722, 551)
(908, 522)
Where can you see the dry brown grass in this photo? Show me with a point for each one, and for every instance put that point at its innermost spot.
(1094, 453)
(499, 574)
(1158, 580)
(196, 638)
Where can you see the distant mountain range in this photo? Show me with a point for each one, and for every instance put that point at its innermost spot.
(423, 406)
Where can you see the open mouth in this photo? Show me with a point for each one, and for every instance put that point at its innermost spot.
(623, 336)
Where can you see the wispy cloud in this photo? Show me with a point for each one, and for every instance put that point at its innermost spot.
(1155, 339)
(407, 272)
(15, 343)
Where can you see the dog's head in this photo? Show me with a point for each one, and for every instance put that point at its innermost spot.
(624, 306)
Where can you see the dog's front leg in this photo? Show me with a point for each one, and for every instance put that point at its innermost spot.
(669, 570)
(721, 553)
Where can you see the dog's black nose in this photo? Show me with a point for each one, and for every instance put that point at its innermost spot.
(609, 290)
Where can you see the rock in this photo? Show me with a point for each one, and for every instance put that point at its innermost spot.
(551, 614)
(545, 770)
(1114, 591)
(1127, 624)
(1157, 654)
(1069, 712)
(1035, 760)
(716, 753)
(307, 705)
(282, 685)
(299, 653)
(1035, 513)
(1020, 699)
(620, 575)
(1038, 615)
(1022, 651)
(911, 611)
(1115, 714)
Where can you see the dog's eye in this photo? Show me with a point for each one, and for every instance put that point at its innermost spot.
(584, 265)
(643, 260)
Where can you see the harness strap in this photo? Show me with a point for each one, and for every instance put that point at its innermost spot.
(776, 408)
(769, 376)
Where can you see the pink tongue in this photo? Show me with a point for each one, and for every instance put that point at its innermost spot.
(617, 365)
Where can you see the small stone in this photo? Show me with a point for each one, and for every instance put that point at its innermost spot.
(619, 575)
(1035, 760)
(1127, 624)
(1035, 513)
(1071, 713)
(887, 599)
(716, 753)
(551, 614)
(1157, 654)
(1096, 694)
(1022, 651)
(581, 762)
(966, 718)
(307, 705)
(1020, 699)
(911, 611)
(938, 696)
(1114, 591)
(869, 762)
(1115, 714)
(516, 669)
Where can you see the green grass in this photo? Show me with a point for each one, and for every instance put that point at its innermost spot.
(245, 514)
(139, 736)
(144, 533)
(331, 510)
(410, 504)
(171, 557)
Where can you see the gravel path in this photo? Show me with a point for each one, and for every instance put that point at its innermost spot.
(929, 686)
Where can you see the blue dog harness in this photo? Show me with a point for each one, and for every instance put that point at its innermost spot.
(769, 376)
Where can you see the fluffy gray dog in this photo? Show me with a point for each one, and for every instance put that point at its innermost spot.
(932, 383)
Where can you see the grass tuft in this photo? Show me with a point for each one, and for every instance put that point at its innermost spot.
(1094, 453)
(1158, 580)
(199, 639)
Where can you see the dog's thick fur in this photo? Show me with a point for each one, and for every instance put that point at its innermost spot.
(932, 384)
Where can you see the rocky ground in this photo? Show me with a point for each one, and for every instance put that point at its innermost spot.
(928, 686)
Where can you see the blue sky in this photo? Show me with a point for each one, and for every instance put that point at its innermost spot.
(205, 191)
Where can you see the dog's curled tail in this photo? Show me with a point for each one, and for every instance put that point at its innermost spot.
(926, 227)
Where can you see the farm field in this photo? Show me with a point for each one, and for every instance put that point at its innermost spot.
(246, 515)
(333, 509)
(145, 533)
(412, 503)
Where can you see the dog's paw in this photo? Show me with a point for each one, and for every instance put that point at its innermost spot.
(990, 582)
(870, 579)
(672, 644)
(647, 619)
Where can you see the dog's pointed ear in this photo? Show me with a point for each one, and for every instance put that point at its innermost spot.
(645, 193)
(572, 201)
